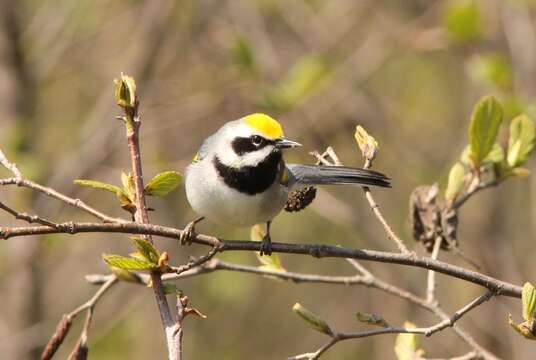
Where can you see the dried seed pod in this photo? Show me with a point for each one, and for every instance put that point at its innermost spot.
(300, 199)
(430, 220)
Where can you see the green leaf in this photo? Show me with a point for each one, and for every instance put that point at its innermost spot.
(371, 319)
(271, 262)
(99, 185)
(495, 156)
(456, 181)
(257, 233)
(462, 20)
(406, 344)
(128, 263)
(312, 319)
(521, 141)
(125, 275)
(163, 183)
(484, 127)
(528, 298)
(146, 249)
(128, 185)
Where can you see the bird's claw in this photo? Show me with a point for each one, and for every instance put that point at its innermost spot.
(188, 234)
(266, 246)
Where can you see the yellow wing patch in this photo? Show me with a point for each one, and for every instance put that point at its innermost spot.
(265, 124)
(284, 177)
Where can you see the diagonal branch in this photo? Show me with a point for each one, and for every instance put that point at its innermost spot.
(458, 314)
(66, 321)
(20, 180)
(321, 158)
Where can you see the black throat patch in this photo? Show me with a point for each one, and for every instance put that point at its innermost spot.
(250, 180)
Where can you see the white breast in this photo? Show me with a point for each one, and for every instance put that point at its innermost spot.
(209, 196)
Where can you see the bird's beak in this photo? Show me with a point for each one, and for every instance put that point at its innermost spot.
(283, 143)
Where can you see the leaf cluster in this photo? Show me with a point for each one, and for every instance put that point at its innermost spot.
(484, 154)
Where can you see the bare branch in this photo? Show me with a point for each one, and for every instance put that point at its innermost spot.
(132, 125)
(194, 263)
(26, 217)
(472, 191)
(20, 180)
(431, 283)
(65, 323)
(321, 158)
(319, 251)
(458, 314)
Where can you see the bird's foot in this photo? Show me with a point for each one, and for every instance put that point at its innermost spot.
(188, 234)
(266, 246)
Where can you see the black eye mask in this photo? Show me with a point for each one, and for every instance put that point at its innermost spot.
(242, 145)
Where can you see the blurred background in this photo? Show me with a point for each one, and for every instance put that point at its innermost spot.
(408, 71)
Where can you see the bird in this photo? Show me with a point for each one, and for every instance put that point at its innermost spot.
(239, 177)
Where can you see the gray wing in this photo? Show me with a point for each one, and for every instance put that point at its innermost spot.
(204, 149)
(334, 175)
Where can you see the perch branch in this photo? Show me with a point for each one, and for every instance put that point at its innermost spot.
(318, 251)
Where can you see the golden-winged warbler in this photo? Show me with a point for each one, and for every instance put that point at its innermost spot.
(239, 177)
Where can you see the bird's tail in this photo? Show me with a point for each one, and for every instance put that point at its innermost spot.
(335, 175)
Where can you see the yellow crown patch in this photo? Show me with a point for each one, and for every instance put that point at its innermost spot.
(265, 124)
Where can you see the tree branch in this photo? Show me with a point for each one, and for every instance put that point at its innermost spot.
(20, 180)
(368, 195)
(66, 321)
(366, 279)
(132, 124)
(431, 282)
(319, 251)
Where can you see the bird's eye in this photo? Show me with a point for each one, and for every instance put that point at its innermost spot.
(257, 140)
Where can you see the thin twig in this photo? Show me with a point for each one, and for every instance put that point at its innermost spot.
(194, 263)
(20, 180)
(26, 217)
(472, 191)
(376, 210)
(458, 314)
(431, 283)
(65, 323)
(368, 195)
(367, 279)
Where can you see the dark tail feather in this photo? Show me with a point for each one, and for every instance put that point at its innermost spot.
(334, 175)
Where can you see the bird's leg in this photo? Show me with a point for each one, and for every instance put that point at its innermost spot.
(188, 234)
(266, 247)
